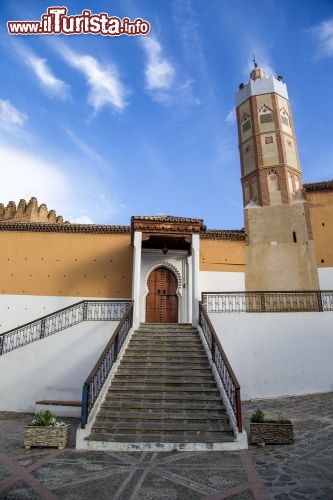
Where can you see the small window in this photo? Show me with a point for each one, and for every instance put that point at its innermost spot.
(267, 118)
(294, 236)
(285, 120)
(246, 126)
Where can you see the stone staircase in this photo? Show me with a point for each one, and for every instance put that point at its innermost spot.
(163, 396)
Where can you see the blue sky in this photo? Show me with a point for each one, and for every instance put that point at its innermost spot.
(102, 128)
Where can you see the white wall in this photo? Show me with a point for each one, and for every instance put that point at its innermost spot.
(16, 310)
(213, 281)
(325, 278)
(53, 368)
(278, 354)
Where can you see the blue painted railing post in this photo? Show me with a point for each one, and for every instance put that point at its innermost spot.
(84, 412)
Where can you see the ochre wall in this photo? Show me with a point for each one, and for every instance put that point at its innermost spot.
(65, 264)
(274, 260)
(321, 216)
(222, 255)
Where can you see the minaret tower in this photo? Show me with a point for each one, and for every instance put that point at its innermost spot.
(280, 251)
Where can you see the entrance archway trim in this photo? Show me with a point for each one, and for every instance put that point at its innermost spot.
(171, 267)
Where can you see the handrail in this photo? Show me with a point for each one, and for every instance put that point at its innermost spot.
(85, 310)
(268, 301)
(98, 375)
(223, 367)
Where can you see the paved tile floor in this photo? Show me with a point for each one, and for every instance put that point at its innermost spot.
(303, 470)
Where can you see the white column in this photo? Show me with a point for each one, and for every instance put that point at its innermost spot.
(195, 277)
(136, 277)
(189, 289)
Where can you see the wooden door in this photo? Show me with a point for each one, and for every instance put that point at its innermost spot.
(162, 301)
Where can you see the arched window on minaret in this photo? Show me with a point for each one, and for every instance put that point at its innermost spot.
(246, 192)
(284, 118)
(273, 181)
(296, 180)
(265, 114)
(254, 189)
(290, 183)
(246, 123)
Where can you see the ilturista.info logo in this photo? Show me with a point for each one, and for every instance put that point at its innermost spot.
(56, 22)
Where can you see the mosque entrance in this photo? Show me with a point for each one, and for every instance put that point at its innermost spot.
(162, 300)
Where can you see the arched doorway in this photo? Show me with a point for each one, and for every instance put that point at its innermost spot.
(162, 300)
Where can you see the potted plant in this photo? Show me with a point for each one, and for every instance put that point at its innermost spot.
(46, 431)
(268, 431)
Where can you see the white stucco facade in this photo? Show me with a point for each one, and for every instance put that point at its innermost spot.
(278, 354)
(325, 275)
(212, 281)
(53, 368)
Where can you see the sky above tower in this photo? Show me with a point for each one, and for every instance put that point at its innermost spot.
(104, 127)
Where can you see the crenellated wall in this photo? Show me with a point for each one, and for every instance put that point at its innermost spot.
(29, 212)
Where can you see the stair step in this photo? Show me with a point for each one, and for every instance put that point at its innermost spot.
(188, 416)
(166, 376)
(172, 344)
(165, 396)
(165, 326)
(168, 357)
(175, 367)
(151, 428)
(164, 371)
(163, 383)
(166, 405)
(163, 438)
(171, 350)
(164, 389)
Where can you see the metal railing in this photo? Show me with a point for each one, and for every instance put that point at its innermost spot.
(85, 310)
(95, 381)
(284, 301)
(219, 358)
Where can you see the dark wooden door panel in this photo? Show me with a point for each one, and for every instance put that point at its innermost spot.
(162, 300)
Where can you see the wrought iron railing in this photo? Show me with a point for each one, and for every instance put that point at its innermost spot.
(94, 383)
(286, 301)
(219, 358)
(86, 310)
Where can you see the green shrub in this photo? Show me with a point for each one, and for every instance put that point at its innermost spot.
(258, 416)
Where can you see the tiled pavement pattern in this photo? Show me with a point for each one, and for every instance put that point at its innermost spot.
(303, 470)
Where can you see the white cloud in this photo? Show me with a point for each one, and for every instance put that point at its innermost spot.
(159, 72)
(323, 34)
(84, 219)
(10, 117)
(78, 198)
(231, 116)
(103, 80)
(27, 175)
(87, 150)
(55, 86)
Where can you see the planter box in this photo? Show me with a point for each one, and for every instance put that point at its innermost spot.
(271, 433)
(46, 436)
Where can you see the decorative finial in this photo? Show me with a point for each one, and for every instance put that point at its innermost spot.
(254, 61)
